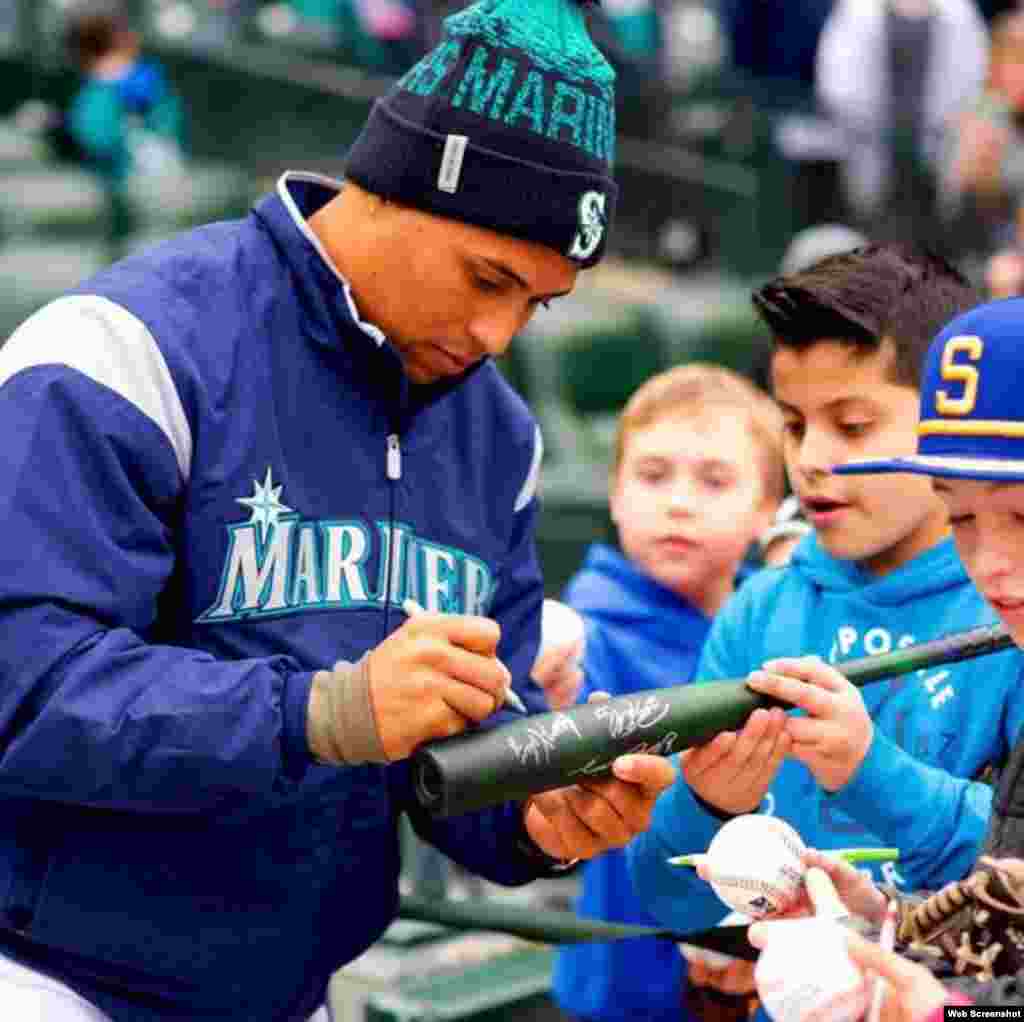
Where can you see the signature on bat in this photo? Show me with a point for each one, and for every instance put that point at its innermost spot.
(537, 747)
(626, 716)
(664, 746)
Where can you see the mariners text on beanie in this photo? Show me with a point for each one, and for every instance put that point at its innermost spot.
(508, 124)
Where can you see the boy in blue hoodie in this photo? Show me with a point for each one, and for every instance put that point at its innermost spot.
(697, 477)
(896, 763)
(971, 445)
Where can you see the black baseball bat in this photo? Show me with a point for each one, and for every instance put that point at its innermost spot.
(510, 762)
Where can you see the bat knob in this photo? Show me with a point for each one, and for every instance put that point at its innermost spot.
(427, 783)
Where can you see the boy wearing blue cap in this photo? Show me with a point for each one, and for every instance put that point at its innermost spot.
(854, 768)
(971, 443)
(229, 460)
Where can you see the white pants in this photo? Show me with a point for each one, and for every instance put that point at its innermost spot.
(29, 996)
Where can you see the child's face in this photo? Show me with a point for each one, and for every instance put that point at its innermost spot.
(1007, 75)
(988, 526)
(688, 499)
(841, 405)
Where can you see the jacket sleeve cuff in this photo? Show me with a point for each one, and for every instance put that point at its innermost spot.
(295, 751)
(545, 865)
(870, 787)
(684, 820)
(719, 814)
(676, 897)
(925, 793)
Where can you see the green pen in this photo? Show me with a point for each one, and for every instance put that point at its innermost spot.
(850, 855)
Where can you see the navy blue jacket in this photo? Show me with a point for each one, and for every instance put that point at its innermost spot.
(198, 510)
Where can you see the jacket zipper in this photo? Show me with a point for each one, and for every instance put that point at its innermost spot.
(394, 466)
(393, 470)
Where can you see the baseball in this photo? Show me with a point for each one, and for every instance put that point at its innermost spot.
(755, 865)
(560, 625)
(804, 974)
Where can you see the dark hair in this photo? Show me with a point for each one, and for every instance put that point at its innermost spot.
(94, 29)
(886, 291)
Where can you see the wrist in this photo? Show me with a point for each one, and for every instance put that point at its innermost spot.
(840, 778)
(340, 725)
(718, 812)
(551, 864)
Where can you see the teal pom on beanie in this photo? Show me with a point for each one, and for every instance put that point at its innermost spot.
(509, 124)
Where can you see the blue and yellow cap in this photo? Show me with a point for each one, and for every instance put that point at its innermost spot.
(972, 400)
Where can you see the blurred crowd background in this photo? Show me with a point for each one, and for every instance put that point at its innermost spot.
(754, 137)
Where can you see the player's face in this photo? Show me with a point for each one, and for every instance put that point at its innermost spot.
(842, 405)
(457, 293)
(688, 499)
(988, 526)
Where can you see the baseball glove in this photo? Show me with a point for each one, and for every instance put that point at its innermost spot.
(973, 927)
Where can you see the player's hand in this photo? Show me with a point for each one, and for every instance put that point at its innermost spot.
(433, 677)
(735, 769)
(912, 993)
(735, 978)
(585, 819)
(558, 673)
(834, 737)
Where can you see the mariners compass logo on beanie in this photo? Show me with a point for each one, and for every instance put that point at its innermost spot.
(508, 124)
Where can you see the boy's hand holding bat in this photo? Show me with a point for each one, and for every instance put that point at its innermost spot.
(834, 737)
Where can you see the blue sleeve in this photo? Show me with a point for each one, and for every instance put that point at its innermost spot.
(938, 822)
(91, 711)
(492, 843)
(673, 894)
(726, 654)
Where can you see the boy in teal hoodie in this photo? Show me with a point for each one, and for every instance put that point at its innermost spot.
(126, 118)
(697, 477)
(895, 764)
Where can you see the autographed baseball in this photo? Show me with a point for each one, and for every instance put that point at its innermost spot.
(755, 865)
(804, 973)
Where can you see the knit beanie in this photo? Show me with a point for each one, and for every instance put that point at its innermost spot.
(508, 124)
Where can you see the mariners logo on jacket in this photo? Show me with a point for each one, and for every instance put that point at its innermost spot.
(278, 562)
